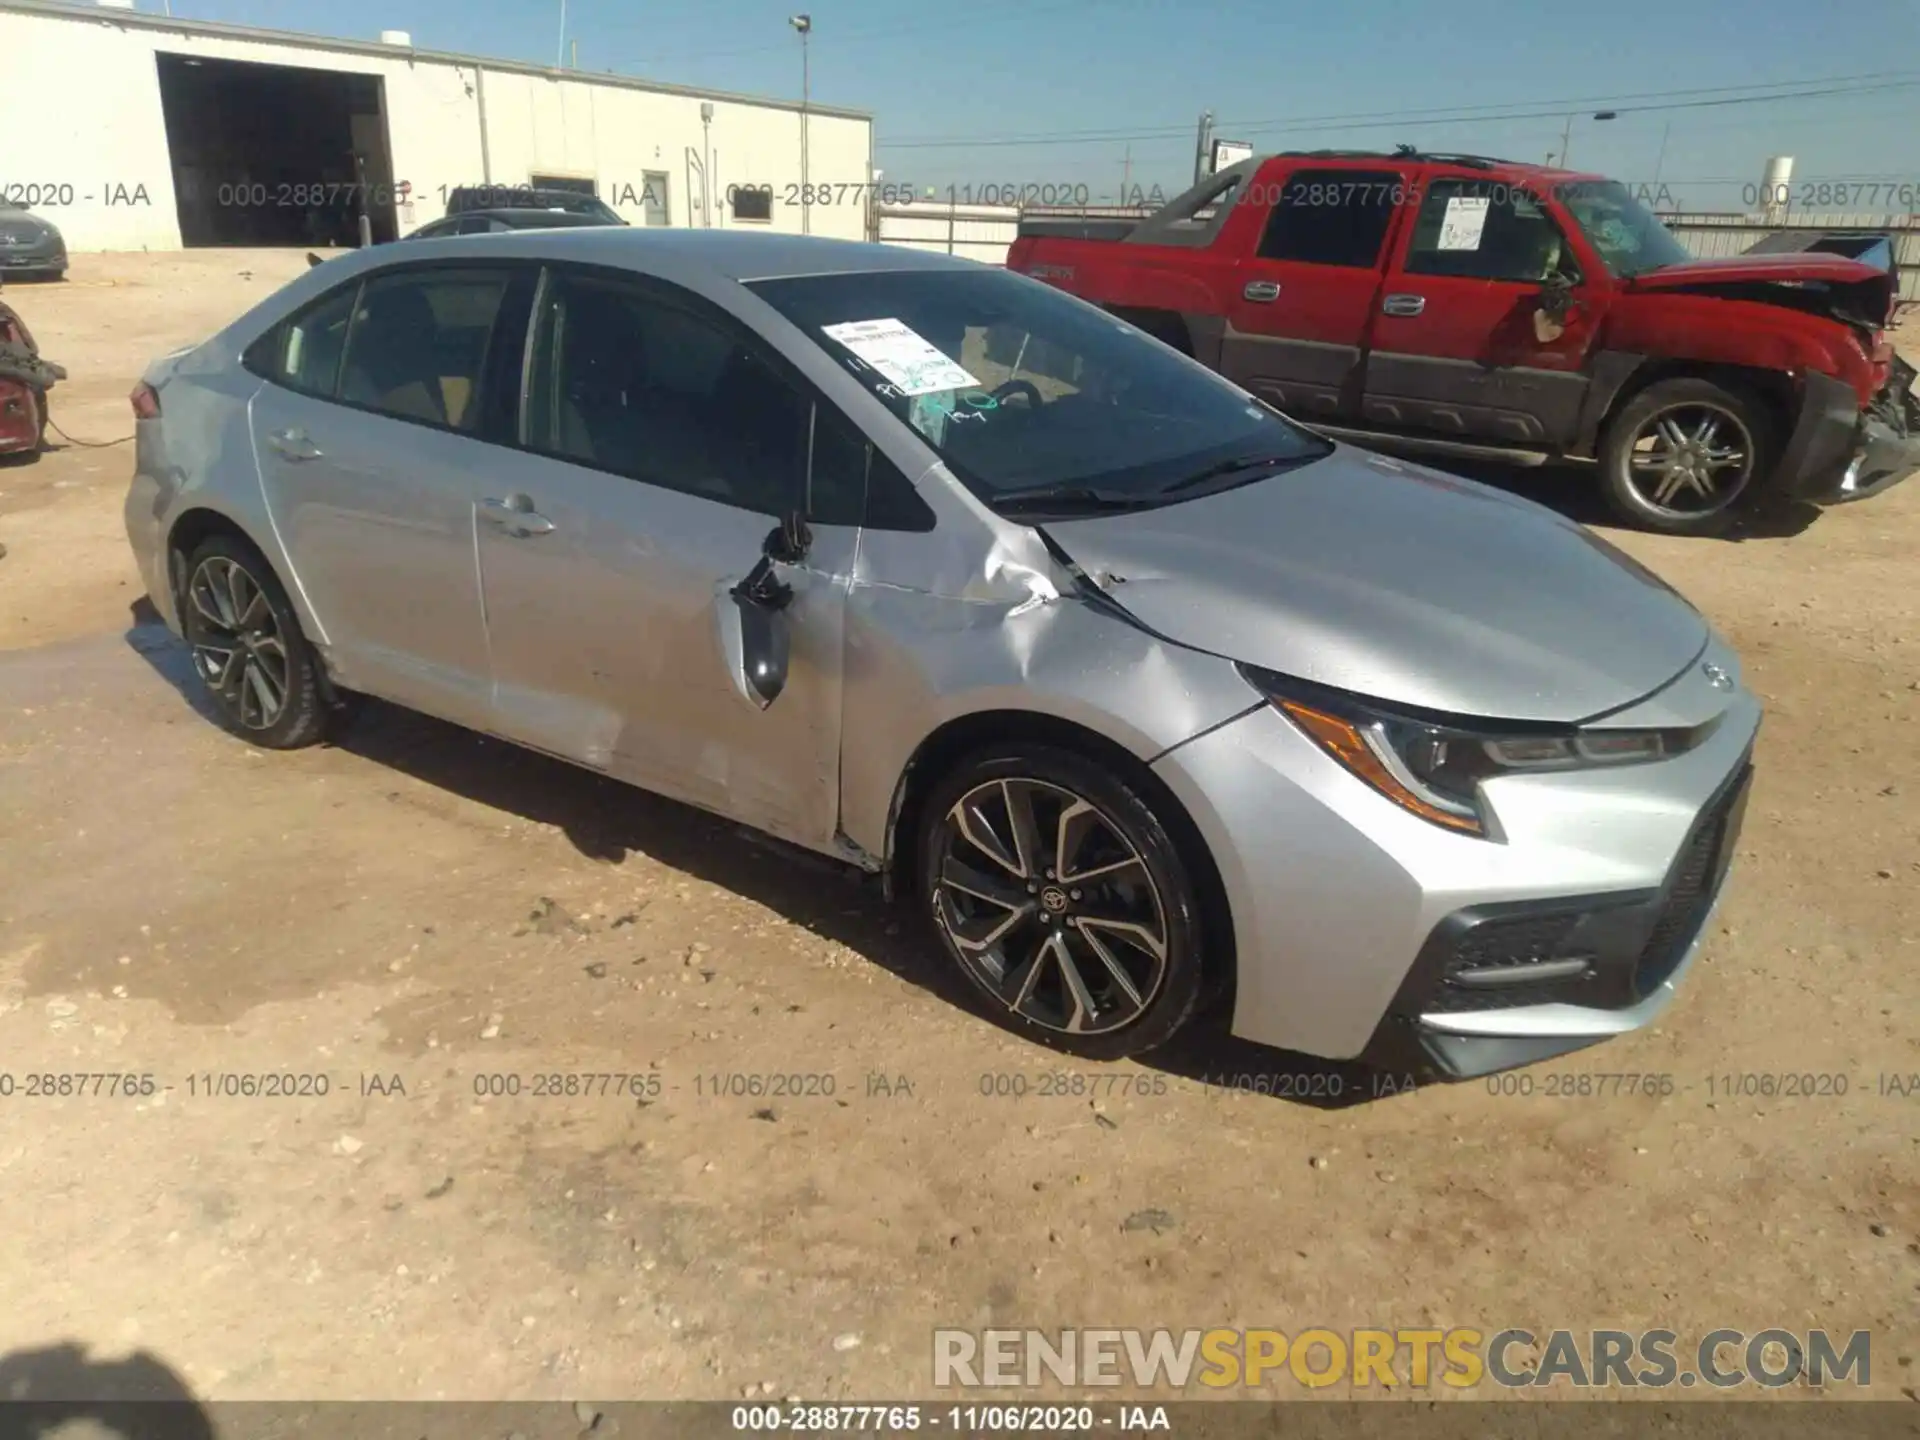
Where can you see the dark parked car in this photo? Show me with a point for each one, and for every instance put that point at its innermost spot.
(483, 222)
(528, 197)
(30, 245)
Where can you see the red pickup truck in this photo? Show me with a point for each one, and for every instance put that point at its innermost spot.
(1472, 306)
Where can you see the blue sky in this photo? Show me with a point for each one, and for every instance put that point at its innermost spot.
(1280, 75)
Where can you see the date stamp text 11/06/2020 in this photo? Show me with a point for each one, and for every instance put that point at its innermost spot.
(999, 1087)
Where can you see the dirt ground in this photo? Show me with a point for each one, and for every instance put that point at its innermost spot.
(416, 910)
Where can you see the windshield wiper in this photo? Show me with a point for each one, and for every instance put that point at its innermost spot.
(1235, 467)
(1066, 497)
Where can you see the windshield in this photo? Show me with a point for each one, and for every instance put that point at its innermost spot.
(1629, 236)
(1020, 387)
(587, 205)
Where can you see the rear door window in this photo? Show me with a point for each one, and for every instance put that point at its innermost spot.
(1331, 217)
(418, 344)
(303, 352)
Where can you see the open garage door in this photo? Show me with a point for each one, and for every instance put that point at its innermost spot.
(276, 154)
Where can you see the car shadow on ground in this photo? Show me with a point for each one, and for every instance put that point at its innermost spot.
(606, 820)
(1574, 491)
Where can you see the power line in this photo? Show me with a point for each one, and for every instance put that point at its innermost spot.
(860, 37)
(1465, 116)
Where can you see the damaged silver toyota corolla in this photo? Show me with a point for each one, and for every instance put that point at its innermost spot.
(1146, 695)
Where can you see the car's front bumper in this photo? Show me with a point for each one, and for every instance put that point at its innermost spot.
(48, 257)
(1838, 453)
(1361, 931)
(1511, 983)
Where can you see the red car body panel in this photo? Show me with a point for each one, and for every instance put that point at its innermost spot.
(21, 411)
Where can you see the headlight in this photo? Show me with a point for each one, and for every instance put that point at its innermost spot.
(1434, 767)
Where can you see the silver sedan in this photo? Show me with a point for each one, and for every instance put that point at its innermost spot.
(1146, 696)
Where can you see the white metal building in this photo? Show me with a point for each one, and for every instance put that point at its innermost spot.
(136, 131)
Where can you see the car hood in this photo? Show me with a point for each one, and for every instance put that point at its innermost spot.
(1832, 269)
(20, 225)
(1850, 291)
(1394, 581)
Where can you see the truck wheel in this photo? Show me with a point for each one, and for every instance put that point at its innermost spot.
(1687, 456)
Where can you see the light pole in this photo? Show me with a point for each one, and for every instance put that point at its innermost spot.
(1203, 147)
(804, 24)
(1566, 132)
(706, 163)
(560, 55)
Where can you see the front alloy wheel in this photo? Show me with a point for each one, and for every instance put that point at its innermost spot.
(1691, 460)
(1688, 456)
(1061, 897)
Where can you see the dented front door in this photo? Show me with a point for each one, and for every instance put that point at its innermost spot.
(606, 602)
(659, 447)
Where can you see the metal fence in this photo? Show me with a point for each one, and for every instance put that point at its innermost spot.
(974, 232)
(986, 232)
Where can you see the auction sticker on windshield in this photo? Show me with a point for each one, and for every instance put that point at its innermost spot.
(908, 361)
(1465, 220)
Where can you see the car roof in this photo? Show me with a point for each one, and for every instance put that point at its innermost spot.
(1489, 164)
(531, 217)
(738, 255)
(522, 190)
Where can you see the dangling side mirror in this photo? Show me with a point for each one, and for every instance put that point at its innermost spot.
(1556, 304)
(755, 638)
(764, 649)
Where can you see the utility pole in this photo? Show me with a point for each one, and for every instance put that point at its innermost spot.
(1126, 173)
(1661, 159)
(561, 58)
(706, 163)
(804, 24)
(1566, 132)
(1203, 148)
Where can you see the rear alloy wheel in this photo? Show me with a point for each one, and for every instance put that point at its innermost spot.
(1059, 894)
(247, 647)
(1685, 456)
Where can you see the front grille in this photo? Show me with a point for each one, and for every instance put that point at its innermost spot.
(1685, 906)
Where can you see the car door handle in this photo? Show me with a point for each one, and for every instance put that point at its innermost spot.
(293, 445)
(516, 516)
(1403, 304)
(1262, 290)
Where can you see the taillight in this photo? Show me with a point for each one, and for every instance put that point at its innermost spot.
(146, 402)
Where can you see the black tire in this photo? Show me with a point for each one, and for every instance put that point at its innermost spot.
(1140, 999)
(259, 631)
(1687, 401)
